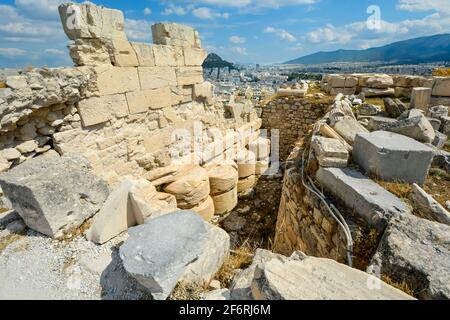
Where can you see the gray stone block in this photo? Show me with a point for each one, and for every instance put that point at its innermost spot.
(375, 123)
(53, 194)
(157, 253)
(393, 157)
(416, 250)
(372, 202)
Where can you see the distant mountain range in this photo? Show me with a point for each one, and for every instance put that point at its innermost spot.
(213, 61)
(418, 50)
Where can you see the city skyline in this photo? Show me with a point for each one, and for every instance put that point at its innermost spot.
(258, 31)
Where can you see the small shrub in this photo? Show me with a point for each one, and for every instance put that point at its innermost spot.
(240, 258)
(441, 72)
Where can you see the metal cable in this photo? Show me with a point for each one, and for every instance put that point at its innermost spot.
(342, 223)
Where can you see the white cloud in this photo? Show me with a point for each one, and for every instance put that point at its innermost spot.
(240, 51)
(237, 39)
(39, 9)
(173, 9)
(55, 52)
(12, 52)
(138, 29)
(147, 11)
(281, 33)
(208, 14)
(253, 3)
(424, 5)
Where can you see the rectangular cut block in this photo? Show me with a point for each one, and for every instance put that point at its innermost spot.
(181, 94)
(123, 54)
(173, 34)
(189, 75)
(420, 98)
(91, 22)
(144, 53)
(157, 77)
(114, 80)
(393, 157)
(374, 92)
(442, 87)
(194, 56)
(330, 152)
(101, 109)
(141, 101)
(372, 202)
(167, 56)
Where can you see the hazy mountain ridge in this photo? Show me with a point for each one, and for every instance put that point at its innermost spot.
(418, 50)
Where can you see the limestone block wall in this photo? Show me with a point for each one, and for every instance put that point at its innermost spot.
(303, 222)
(122, 103)
(387, 85)
(293, 117)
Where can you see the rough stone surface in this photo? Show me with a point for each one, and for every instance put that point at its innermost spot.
(367, 198)
(216, 250)
(416, 250)
(191, 188)
(54, 194)
(421, 98)
(427, 207)
(308, 278)
(348, 128)
(392, 157)
(157, 253)
(330, 152)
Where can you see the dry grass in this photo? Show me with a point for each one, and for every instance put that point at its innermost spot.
(240, 258)
(6, 241)
(73, 233)
(185, 291)
(403, 286)
(447, 146)
(441, 72)
(3, 210)
(401, 190)
(2, 84)
(438, 185)
(376, 101)
(364, 246)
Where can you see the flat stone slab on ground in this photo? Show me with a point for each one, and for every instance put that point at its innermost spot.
(372, 202)
(393, 157)
(307, 278)
(54, 194)
(418, 251)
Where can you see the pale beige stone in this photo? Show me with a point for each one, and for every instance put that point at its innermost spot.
(261, 148)
(142, 101)
(191, 188)
(123, 54)
(157, 77)
(194, 56)
(261, 167)
(11, 154)
(92, 21)
(27, 146)
(173, 34)
(222, 178)
(144, 53)
(442, 87)
(168, 174)
(205, 209)
(246, 184)
(157, 140)
(89, 52)
(421, 98)
(204, 92)
(189, 75)
(225, 202)
(181, 94)
(149, 204)
(114, 80)
(246, 161)
(101, 109)
(168, 56)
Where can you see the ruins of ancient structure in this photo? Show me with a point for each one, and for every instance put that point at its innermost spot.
(123, 178)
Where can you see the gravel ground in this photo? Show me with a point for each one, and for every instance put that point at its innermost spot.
(33, 266)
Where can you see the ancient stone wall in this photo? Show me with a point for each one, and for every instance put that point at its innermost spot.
(388, 85)
(303, 222)
(123, 105)
(293, 117)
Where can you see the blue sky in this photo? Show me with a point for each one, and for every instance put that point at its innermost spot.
(260, 31)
